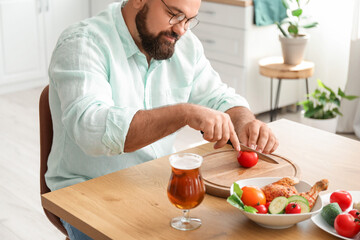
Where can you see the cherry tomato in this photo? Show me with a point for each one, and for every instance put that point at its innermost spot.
(343, 198)
(262, 209)
(267, 205)
(247, 159)
(253, 196)
(293, 208)
(346, 225)
(355, 213)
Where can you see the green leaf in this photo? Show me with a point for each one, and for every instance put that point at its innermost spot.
(292, 29)
(337, 102)
(310, 25)
(238, 190)
(234, 200)
(297, 12)
(250, 209)
(350, 97)
(341, 93)
(336, 110)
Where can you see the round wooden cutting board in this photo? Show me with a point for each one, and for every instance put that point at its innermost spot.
(220, 169)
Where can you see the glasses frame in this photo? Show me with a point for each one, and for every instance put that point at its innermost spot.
(187, 22)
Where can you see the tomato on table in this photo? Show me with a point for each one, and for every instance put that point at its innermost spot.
(247, 159)
(253, 196)
(343, 198)
(346, 225)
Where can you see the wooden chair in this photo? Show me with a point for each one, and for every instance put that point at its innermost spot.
(46, 137)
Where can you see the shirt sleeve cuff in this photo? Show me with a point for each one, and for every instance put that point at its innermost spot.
(237, 101)
(117, 126)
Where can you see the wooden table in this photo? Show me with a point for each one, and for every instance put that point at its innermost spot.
(133, 204)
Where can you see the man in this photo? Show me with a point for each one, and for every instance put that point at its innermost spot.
(123, 82)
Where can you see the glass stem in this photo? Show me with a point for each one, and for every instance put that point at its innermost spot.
(186, 216)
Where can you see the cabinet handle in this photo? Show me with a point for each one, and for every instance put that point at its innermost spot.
(47, 7)
(39, 6)
(209, 41)
(207, 12)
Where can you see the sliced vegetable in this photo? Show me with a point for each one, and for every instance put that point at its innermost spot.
(278, 205)
(297, 198)
(330, 212)
(304, 206)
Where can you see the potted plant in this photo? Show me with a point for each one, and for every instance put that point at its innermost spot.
(293, 40)
(321, 109)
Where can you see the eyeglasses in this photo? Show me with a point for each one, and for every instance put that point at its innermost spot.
(179, 17)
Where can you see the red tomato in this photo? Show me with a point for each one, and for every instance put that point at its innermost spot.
(262, 209)
(355, 213)
(293, 208)
(247, 159)
(343, 198)
(267, 205)
(253, 196)
(345, 225)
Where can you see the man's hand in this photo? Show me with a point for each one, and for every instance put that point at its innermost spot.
(216, 125)
(257, 135)
(252, 132)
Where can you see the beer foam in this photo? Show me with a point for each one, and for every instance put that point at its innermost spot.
(185, 162)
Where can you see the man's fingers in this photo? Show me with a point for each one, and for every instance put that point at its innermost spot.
(263, 139)
(253, 135)
(234, 138)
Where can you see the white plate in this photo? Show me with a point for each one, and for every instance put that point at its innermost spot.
(321, 223)
(278, 221)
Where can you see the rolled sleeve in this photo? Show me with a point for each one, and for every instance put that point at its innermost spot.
(79, 76)
(118, 121)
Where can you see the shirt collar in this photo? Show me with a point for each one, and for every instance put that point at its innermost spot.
(129, 44)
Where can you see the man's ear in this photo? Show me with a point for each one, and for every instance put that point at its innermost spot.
(138, 4)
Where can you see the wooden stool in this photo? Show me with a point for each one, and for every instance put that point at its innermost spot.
(274, 67)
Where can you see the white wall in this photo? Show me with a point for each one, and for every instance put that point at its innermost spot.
(329, 45)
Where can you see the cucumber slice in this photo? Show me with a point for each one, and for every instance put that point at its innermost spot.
(330, 212)
(278, 205)
(297, 198)
(304, 206)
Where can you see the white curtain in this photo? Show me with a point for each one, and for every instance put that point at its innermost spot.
(350, 122)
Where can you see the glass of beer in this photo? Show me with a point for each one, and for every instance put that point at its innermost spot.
(186, 189)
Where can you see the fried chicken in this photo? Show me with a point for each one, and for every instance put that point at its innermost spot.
(283, 187)
(311, 195)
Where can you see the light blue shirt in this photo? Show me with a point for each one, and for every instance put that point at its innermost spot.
(99, 79)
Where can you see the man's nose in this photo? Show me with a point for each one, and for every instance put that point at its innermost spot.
(179, 28)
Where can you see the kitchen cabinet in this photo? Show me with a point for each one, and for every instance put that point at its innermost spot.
(234, 45)
(28, 33)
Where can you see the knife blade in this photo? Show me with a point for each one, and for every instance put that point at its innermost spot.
(262, 156)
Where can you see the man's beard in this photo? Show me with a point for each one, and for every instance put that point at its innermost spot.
(155, 46)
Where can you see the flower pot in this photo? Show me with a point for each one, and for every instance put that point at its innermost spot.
(293, 49)
(324, 124)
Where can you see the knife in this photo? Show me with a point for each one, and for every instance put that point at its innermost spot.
(263, 156)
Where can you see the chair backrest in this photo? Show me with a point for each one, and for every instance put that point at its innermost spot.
(46, 137)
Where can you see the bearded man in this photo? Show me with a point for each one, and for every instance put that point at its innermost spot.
(123, 82)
